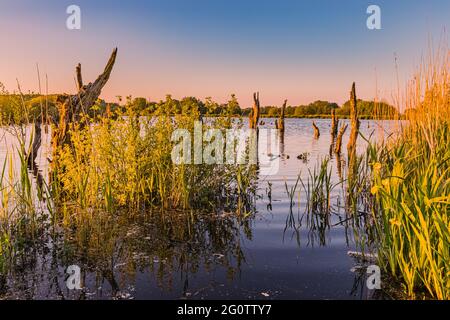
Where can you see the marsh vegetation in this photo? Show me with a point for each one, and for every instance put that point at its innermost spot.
(83, 182)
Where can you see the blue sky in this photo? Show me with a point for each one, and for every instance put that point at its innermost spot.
(299, 50)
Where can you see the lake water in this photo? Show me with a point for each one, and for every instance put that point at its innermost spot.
(277, 254)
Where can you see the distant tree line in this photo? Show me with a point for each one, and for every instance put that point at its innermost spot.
(15, 108)
(366, 109)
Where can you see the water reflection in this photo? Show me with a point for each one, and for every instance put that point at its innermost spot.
(269, 239)
(169, 247)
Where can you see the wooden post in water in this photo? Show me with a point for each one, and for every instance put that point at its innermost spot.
(334, 125)
(37, 139)
(254, 114)
(279, 123)
(316, 130)
(338, 146)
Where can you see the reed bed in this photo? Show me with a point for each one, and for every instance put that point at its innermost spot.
(122, 163)
(115, 166)
(397, 193)
(411, 187)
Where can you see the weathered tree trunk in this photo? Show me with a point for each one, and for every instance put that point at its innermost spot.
(71, 107)
(316, 130)
(37, 139)
(254, 115)
(338, 146)
(334, 124)
(280, 122)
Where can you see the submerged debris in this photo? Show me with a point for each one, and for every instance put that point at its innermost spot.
(303, 157)
(369, 257)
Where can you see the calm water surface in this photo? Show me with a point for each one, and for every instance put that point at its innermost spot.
(278, 254)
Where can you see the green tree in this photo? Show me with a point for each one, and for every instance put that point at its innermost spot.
(233, 106)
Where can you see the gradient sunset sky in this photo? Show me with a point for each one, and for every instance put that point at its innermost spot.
(287, 49)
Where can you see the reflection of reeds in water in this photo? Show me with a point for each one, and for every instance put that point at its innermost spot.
(318, 225)
(318, 188)
(293, 222)
(110, 250)
(23, 212)
(290, 191)
(114, 167)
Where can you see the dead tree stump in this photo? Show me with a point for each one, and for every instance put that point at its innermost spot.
(338, 146)
(334, 124)
(72, 107)
(316, 130)
(37, 140)
(279, 124)
(255, 113)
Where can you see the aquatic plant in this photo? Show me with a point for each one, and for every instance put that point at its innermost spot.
(318, 188)
(411, 187)
(116, 164)
(355, 123)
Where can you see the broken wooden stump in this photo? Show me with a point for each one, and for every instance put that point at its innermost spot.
(255, 113)
(70, 111)
(338, 146)
(37, 140)
(334, 125)
(279, 123)
(316, 130)
(72, 107)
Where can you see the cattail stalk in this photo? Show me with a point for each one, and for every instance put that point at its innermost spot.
(351, 146)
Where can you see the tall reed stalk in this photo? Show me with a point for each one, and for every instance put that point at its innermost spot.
(411, 186)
